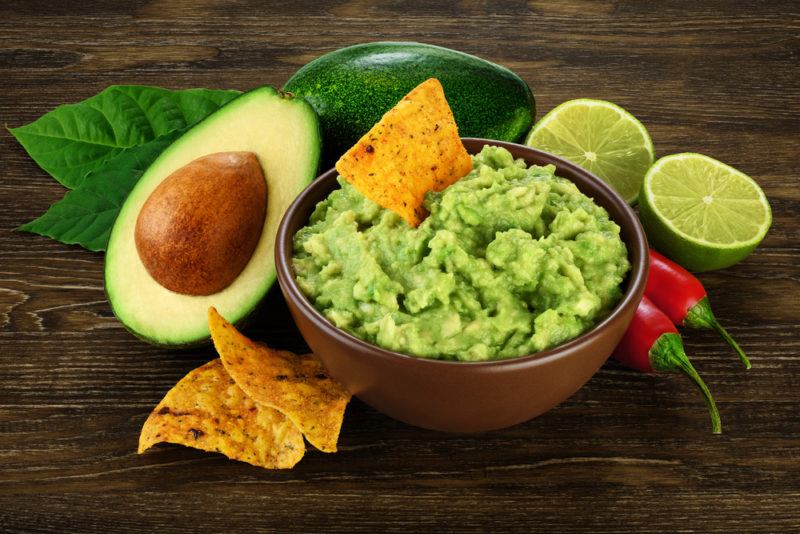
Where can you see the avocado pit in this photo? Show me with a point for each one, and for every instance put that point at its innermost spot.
(198, 229)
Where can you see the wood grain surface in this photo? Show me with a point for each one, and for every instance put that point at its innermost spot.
(627, 453)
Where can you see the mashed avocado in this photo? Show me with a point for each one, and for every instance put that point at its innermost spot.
(511, 260)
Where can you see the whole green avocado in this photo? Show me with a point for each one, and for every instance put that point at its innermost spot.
(353, 87)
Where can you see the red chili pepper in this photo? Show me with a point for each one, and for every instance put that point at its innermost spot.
(652, 343)
(684, 299)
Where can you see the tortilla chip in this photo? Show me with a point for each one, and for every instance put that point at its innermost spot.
(297, 386)
(413, 149)
(207, 410)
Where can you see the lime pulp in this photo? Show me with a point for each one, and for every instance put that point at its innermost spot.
(601, 137)
(701, 212)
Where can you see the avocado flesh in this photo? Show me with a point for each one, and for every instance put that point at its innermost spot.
(283, 132)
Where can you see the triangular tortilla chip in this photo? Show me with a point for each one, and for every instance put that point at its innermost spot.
(207, 410)
(297, 386)
(413, 149)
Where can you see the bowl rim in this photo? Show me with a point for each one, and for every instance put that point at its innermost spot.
(284, 248)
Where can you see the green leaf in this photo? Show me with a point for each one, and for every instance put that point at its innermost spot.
(75, 139)
(86, 214)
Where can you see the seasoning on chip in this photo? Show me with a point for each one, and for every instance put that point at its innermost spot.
(207, 410)
(297, 386)
(415, 148)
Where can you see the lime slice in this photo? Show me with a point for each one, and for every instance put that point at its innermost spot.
(702, 213)
(602, 138)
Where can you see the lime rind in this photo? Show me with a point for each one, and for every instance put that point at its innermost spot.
(718, 185)
(578, 127)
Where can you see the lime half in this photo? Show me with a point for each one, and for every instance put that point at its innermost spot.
(602, 138)
(702, 213)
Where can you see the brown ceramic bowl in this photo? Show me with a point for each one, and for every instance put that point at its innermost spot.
(465, 396)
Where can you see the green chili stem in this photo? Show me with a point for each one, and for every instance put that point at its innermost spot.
(701, 316)
(667, 354)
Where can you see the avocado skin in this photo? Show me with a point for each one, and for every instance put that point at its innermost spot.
(353, 87)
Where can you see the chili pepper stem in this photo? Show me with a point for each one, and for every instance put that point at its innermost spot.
(701, 316)
(667, 354)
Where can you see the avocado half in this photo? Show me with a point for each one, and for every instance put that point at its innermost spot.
(283, 132)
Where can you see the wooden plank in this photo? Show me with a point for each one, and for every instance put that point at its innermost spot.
(628, 453)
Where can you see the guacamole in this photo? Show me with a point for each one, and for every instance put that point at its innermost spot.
(512, 260)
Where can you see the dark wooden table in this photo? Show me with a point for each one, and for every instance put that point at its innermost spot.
(627, 453)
